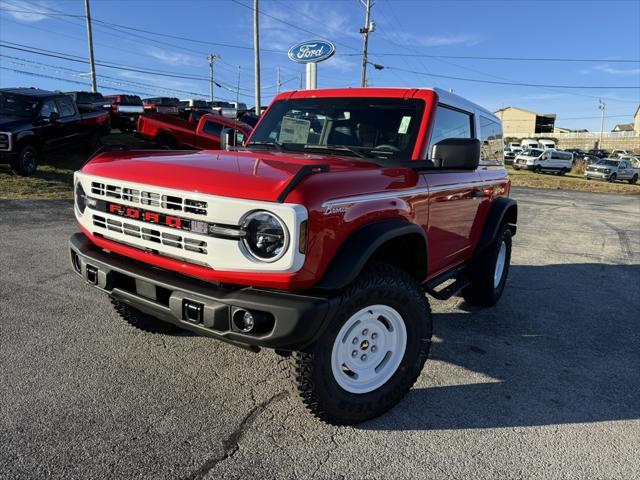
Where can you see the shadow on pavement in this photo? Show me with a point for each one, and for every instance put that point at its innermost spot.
(562, 346)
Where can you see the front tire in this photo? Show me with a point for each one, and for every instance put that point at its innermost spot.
(384, 317)
(488, 272)
(141, 320)
(26, 162)
(613, 178)
(633, 180)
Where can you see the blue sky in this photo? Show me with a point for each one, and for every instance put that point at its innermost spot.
(525, 29)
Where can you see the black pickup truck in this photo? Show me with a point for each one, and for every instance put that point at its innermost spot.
(34, 122)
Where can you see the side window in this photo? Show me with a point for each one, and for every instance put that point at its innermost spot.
(491, 147)
(48, 106)
(212, 128)
(65, 105)
(450, 123)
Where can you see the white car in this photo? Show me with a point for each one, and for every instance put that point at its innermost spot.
(549, 160)
(612, 169)
(619, 153)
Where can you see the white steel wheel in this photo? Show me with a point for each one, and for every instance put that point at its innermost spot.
(500, 263)
(368, 349)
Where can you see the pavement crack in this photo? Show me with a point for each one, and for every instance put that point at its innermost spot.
(231, 444)
(623, 238)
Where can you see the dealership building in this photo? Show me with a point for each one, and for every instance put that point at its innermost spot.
(521, 123)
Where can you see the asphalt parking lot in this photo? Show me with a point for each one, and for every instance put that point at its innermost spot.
(544, 385)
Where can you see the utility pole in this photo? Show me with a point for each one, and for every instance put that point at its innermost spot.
(211, 58)
(365, 31)
(277, 80)
(94, 84)
(256, 55)
(601, 107)
(301, 82)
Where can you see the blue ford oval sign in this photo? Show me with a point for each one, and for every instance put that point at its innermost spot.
(312, 51)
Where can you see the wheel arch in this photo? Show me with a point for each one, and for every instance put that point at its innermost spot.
(394, 241)
(503, 211)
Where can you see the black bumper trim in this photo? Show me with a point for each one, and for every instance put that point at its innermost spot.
(298, 319)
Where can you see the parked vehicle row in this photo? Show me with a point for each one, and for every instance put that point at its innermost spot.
(549, 160)
(611, 169)
(34, 121)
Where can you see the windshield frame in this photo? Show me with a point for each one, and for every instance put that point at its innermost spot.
(320, 109)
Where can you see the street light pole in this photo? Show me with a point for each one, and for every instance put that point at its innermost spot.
(94, 84)
(256, 55)
(365, 32)
(601, 107)
(211, 58)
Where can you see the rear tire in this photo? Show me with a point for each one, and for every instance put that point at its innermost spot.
(26, 162)
(489, 271)
(384, 317)
(167, 142)
(141, 320)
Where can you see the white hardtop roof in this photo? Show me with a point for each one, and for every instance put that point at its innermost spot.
(454, 100)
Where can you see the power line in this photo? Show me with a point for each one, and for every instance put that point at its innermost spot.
(519, 84)
(509, 59)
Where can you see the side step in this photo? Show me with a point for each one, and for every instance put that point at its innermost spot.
(458, 274)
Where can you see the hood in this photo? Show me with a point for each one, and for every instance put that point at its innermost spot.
(254, 175)
(9, 123)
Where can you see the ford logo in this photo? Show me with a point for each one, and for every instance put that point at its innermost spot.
(312, 51)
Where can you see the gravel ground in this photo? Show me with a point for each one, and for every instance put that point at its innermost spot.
(544, 385)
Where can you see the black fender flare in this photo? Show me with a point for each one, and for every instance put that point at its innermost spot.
(503, 210)
(28, 137)
(360, 247)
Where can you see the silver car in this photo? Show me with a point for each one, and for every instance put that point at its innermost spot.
(612, 169)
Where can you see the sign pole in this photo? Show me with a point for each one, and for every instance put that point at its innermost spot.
(312, 76)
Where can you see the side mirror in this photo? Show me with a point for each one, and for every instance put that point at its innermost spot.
(52, 118)
(457, 153)
(227, 139)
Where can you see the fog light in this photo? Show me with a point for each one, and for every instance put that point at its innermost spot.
(244, 321)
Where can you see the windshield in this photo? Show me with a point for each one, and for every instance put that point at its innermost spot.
(532, 152)
(612, 163)
(17, 105)
(371, 127)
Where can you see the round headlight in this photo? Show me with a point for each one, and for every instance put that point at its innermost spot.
(266, 237)
(81, 198)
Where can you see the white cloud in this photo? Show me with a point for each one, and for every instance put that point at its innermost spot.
(412, 39)
(172, 58)
(606, 68)
(26, 12)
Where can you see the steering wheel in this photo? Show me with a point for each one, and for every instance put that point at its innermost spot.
(386, 146)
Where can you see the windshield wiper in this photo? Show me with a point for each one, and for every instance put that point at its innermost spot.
(262, 143)
(337, 148)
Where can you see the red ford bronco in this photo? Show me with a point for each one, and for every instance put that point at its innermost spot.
(319, 238)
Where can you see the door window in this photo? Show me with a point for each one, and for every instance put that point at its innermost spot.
(66, 107)
(212, 128)
(48, 106)
(491, 150)
(450, 123)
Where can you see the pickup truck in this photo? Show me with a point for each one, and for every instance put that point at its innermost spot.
(34, 122)
(320, 238)
(125, 110)
(174, 133)
(88, 101)
(165, 105)
(612, 169)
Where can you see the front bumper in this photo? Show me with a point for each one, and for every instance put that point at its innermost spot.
(597, 175)
(290, 321)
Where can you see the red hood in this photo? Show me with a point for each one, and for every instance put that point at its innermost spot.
(254, 175)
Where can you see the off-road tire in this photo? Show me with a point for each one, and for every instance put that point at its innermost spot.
(141, 320)
(322, 395)
(633, 180)
(481, 291)
(26, 161)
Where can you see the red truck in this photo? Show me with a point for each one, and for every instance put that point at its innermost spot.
(125, 110)
(204, 134)
(320, 238)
